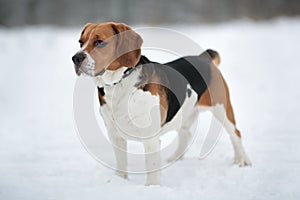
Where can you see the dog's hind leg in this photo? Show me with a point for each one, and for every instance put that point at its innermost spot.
(217, 98)
(184, 136)
(153, 161)
(226, 118)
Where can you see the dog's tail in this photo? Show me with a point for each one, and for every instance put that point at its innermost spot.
(214, 56)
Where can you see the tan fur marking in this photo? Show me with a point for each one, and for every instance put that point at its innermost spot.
(101, 99)
(214, 56)
(155, 88)
(218, 93)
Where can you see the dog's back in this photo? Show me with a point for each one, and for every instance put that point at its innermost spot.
(175, 76)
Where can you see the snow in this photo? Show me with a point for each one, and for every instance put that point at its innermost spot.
(41, 156)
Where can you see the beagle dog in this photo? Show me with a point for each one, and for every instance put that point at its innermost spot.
(141, 100)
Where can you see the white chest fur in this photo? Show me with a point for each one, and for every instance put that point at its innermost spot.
(132, 112)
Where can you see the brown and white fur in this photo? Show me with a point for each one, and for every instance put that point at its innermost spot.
(127, 102)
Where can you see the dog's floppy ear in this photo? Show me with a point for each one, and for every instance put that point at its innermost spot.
(128, 45)
(85, 27)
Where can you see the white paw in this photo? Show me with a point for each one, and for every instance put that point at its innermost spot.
(242, 160)
(153, 178)
(122, 174)
(152, 182)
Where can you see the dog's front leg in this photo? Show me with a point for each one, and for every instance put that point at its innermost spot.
(152, 153)
(120, 150)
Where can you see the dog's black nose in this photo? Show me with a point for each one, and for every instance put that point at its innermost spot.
(78, 58)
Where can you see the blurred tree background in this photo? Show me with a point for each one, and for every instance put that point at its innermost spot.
(77, 12)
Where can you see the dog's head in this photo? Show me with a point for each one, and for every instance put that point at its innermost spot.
(106, 46)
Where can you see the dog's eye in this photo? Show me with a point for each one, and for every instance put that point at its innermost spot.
(99, 43)
(80, 43)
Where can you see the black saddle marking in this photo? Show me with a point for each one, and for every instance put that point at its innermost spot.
(177, 74)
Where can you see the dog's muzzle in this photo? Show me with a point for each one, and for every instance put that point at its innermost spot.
(77, 59)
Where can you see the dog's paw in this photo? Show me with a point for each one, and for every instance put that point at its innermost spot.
(122, 174)
(153, 180)
(242, 160)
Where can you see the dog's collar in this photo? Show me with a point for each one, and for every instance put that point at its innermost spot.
(126, 73)
(111, 78)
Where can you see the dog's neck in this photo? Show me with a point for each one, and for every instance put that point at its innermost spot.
(110, 78)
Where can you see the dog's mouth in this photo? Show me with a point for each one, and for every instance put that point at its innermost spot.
(79, 71)
(83, 71)
(86, 68)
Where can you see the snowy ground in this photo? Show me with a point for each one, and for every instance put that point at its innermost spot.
(41, 156)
